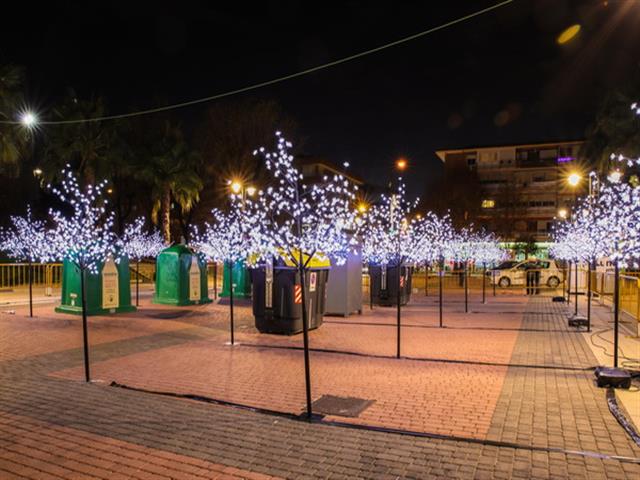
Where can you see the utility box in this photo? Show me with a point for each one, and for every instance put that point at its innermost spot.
(181, 277)
(107, 291)
(384, 284)
(277, 296)
(241, 280)
(344, 288)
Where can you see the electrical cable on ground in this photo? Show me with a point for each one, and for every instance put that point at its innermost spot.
(418, 359)
(275, 80)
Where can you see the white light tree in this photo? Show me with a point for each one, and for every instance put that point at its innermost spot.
(439, 247)
(227, 239)
(295, 222)
(84, 236)
(26, 240)
(137, 243)
(618, 222)
(487, 253)
(390, 240)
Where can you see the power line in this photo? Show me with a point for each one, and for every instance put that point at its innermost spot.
(275, 80)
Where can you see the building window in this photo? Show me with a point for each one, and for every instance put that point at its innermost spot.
(488, 203)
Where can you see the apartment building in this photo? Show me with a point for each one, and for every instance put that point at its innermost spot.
(522, 187)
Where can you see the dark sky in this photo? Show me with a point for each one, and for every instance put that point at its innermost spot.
(497, 78)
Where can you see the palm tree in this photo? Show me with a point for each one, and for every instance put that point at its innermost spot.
(89, 147)
(13, 138)
(171, 170)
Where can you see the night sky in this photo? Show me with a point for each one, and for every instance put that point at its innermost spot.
(497, 78)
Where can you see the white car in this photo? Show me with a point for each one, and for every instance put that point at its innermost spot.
(514, 273)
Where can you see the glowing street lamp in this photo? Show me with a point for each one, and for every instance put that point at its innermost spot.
(28, 119)
(362, 207)
(401, 164)
(236, 187)
(574, 179)
(562, 213)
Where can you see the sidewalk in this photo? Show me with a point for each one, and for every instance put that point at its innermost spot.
(600, 340)
(481, 378)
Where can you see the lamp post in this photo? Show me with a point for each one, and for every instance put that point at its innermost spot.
(573, 180)
(401, 165)
(237, 188)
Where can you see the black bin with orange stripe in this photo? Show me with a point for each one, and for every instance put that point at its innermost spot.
(277, 297)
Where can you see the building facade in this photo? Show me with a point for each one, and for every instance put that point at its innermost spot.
(523, 188)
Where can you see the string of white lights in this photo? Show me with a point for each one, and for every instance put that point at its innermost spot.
(31, 118)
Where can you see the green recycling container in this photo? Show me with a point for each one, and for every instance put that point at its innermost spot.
(107, 291)
(181, 277)
(241, 280)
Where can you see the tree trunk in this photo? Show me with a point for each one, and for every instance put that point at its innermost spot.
(166, 214)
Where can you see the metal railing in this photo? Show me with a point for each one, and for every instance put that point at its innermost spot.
(16, 275)
(629, 301)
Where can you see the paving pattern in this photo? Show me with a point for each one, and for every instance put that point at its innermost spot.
(55, 426)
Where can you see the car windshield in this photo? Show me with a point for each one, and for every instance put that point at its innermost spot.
(506, 265)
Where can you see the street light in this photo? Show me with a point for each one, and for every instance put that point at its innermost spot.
(574, 179)
(236, 186)
(401, 164)
(362, 207)
(562, 213)
(28, 119)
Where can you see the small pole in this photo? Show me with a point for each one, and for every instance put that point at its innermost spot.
(440, 277)
(137, 282)
(370, 289)
(85, 334)
(398, 309)
(426, 281)
(215, 280)
(589, 296)
(493, 281)
(616, 312)
(30, 288)
(231, 299)
(484, 283)
(569, 282)
(576, 292)
(466, 288)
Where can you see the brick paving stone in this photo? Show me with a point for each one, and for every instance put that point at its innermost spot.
(136, 435)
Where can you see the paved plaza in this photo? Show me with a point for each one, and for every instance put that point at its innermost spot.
(504, 391)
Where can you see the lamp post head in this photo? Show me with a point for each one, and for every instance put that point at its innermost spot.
(28, 119)
(401, 164)
(236, 186)
(574, 179)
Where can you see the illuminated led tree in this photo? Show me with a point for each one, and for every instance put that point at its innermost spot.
(26, 240)
(84, 237)
(295, 222)
(618, 221)
(137, 244)
(463, 252)
(487, 253)
(226, 239)
(390, 240)
(438, 247)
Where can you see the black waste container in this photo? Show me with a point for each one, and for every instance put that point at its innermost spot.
(277, 298)
(384, 284)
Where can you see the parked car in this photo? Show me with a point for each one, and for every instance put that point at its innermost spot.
(514, 273)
